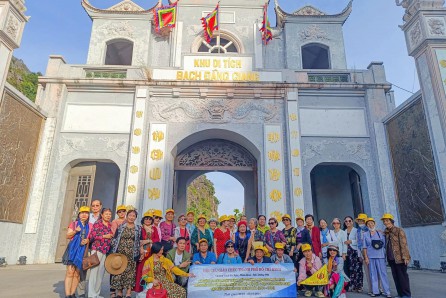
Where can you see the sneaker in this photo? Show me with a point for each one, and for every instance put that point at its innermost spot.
(308, 293)
(320, 294)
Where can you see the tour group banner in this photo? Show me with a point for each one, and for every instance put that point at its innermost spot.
(242, 280)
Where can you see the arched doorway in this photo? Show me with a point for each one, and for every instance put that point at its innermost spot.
(337, 191)
(216, 155)
(87, 180)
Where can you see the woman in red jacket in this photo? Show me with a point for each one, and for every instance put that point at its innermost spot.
(315, 234)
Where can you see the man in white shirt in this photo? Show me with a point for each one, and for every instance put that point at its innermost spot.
(181, 259)
(96, 207)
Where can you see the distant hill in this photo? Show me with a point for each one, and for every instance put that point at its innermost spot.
(22, 78)
(201, 197)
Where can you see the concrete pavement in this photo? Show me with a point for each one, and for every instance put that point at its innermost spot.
(45, 281)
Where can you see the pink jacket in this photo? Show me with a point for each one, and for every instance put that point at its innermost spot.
(315, 261)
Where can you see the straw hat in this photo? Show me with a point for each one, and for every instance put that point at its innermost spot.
(116, 263)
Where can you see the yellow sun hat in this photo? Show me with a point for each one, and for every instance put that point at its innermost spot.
(121, 207)
(279, 245)
(387, 216)
(223, 218)
(170, 210)
(202, 216)
(370, 219)
(148, 213)
(190, 212)
(286, 216)
(305, 247)
(231, 217)
(84, 209)
(158, 213)
(261, 247)
(361, 216)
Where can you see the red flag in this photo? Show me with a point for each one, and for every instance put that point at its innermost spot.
(165, 16)
(210, 24)
(267, 34)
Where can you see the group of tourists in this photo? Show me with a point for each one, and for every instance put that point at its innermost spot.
(159, 252)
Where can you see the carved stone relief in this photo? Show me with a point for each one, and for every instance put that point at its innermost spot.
(313, 32)
(116, 29)
(309, 11)
(126, 5)
(215, 111)
(436, 26)
(68, 145)
(415, 34)
(12, 27)
(338, 150)
(20, 133)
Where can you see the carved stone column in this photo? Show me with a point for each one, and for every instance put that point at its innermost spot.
(425, 30)
(12, 23)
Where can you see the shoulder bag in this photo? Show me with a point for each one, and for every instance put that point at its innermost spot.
(377, 244)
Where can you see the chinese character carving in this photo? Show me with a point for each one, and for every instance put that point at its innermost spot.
(155, 174)
(133, 169)
(137, 132)
(274, 155)
(131, 188)
(273, 137)
(295, 152)
(154, 193)
(156, 154)
(275, 195)
(136, 150)
(274, 174)
(158, 136)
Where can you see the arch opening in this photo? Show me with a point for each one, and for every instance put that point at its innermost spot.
(337, 191)
(315, 56)
(119, 52)
(87, 181)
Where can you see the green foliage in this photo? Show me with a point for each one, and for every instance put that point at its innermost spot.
(22, 79)
(237, 214)
(201, 197)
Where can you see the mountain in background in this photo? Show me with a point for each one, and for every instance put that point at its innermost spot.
(22, 78)
(201, 197)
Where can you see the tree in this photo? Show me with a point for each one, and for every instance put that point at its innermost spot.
(23, 79)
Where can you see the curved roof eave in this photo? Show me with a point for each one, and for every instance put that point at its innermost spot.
(283, 16)
(91, 10)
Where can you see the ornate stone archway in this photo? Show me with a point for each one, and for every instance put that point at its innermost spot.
(216, 155)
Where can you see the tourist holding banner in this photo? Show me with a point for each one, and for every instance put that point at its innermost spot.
(308, 266)
(280, 257)
(259, 255)
(180, 258)
(257, 238)
(204, 256)
(230, 256)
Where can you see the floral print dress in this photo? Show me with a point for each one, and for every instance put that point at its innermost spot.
(173, 290)
(125, 247)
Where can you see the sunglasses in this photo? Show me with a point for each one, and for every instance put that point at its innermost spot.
(271, 223)
(348, 220)
(120, 211)
(336, 223)
(182, 218)
(285, 219)
(157, 217)
(230, 246)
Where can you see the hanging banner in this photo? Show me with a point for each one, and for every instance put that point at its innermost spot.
(242, 280)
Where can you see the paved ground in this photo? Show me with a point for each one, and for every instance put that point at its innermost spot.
(42, 281)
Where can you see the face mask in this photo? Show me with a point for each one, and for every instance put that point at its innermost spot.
(372, 230)
(362, 225)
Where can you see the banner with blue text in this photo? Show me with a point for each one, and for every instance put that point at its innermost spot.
(242, 280)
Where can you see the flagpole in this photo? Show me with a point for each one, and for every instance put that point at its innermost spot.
(219, 34)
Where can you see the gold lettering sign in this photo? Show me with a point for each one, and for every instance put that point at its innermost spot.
(158, 136)
(155, 174)
(295, 152)
(156, 154)
(293, 117)
(274, 155)
(273, 137)
(275, 195)
(133, 169)
(298, 191)
(274, 174)
(296, 171)
(139, 114)
(154, 193)
(294, 134)
(136, 150)
(137, 132)
(131, 188)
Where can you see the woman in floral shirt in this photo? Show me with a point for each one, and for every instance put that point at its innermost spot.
(273, 236)
(290, 233)
(100, 239)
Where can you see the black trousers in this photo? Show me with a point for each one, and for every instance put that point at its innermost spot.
(401, 279)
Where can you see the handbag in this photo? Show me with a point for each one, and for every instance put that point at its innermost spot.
(159, 292)
(377, 244)
(90, 261)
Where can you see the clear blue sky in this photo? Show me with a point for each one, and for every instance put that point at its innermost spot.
(371, 34)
